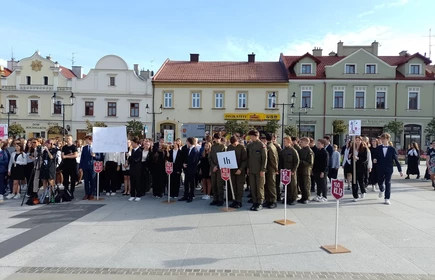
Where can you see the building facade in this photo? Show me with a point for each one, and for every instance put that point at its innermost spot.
(111, 93)
(357, 84)
(29, 88)
(197, 97)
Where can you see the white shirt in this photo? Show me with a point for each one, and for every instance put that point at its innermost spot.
(413, 152)
(191, 148)
(174, 155)
(144, 155)
(385, 149)
(21, 160)
(79, 153)
(112, 157)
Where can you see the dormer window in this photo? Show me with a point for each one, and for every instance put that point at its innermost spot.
(414, 69)
(370, 68)
(306, 68)
(350, 69)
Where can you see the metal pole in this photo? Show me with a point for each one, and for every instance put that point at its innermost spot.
(169, 187)
(285, 202)
(63, 121)
(9, 114)
(98, 186)
(354, 162)
(299, 125)
(226, 192)
(282, 126)
(336, 225)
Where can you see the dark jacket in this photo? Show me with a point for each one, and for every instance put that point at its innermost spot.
(4, 161)
(321, 161)
(384, 164)
(86, 159)
(178, 163)
(192, 160)
(135, 161)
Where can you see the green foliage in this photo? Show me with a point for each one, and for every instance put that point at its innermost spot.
(90, 125)
(231, 126)
(430, 128)
(243, 128)
(394, 127)
(291, 130)
(339, 127)
(134, 128)
(15, 129)
(54, 130)
(272, 126)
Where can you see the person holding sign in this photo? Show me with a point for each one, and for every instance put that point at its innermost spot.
(238, 175)
(360, 155)
(217, 184)
(271, 172)
(289, 159)
(257, 161)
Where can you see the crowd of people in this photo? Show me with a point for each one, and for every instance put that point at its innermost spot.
(37, 165)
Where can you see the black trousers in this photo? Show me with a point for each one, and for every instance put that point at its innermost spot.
(135, 182)
(189, 185)
(360, 171)
(112, 176)
(175, 184)
(69, 173)
(322, 188)
(278, 187)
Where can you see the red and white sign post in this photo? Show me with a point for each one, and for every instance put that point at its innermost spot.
(98, 168)
(337, 191)
(286, 177)
(169, 168)
(225, 175)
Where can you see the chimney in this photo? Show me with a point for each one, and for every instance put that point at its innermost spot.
(340, 49)
(317, 51)
(404, 53)
(375, 48)
(251, 58)
(78, 71)
(136, 69)
(332, 54)
(48, 57)
(194, 57)
(145, 74)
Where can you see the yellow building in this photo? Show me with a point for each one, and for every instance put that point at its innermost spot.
(197, 98)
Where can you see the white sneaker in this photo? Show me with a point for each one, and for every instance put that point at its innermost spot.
(355, 200)
(10, 196)
(363, 195)
(107, 194)
(1, 197)
(381, 194)
(112, 194)
(207, 197)
(299, 196)
(204, 197)
(373, 188)
(387, 202)
(137, 199)
(18, 196)
(317, 199)
(131, 198)
(323, 199)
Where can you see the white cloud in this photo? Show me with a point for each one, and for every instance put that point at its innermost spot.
(3, 62)
(382, 6)
(391, 42)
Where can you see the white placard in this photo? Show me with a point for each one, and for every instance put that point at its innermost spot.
(109, 139)
(3, 131)
(355, 128)
(168, 136)
(227, 160)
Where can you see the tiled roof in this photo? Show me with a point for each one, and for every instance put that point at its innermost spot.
(221, 72)
(6, 72)
(290, 61)
(67, 73)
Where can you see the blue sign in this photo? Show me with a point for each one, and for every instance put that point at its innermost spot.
(145, 129)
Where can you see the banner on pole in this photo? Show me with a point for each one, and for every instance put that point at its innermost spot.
(169, 166)
(225, 174)
(337, 188)
(286, 176)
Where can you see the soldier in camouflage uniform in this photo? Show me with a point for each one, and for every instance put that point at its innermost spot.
(217, 184)
(289, 159)
(257, 160)
(272, 171)
(238, 175)
(278, 183)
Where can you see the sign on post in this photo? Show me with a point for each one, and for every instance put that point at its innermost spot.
(355, 128)
(169, 167)
(168, 135)
(109, 139)
(98, 166)
(286, 177)
(227, 160)
(225, 174)
(3, 131)
(337, 190)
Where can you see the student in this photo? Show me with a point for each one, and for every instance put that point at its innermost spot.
(335, 163)
(69, 155)
(320, 171)
(384, 158)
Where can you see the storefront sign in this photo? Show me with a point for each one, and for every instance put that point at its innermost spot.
(41, 126)
(373, 122)
(193, 130)
(252, 117)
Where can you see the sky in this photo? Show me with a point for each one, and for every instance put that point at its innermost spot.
(148, 32)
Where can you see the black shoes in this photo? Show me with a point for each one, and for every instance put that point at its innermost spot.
(220, 203)
(189, 200)
(303, 201)
(236, 205)
(183, 199)
(250, 201)
(256, 207)
(213, 203)
(272, 205)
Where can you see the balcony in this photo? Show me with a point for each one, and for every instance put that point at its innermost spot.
(36, 88)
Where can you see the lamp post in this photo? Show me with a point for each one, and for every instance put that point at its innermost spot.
(292, 105)
(154, 119)
(12, 111)
(305, 111)
(58, 103)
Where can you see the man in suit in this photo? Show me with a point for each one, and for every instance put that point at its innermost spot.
(383, 158)
(190, 168)
(135, 161)
(330, 151)
(87, 167)
(176, 158)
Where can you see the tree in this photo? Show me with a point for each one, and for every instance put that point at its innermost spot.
(134, 128)
(272, 126)
(243, 128)
(291, 130)
(430, 128)
(55, 130)
(339, 127)
(394, 127)
(90, 125)
(231, 126)
(15, 129)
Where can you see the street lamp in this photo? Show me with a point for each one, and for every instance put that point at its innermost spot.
(292, 105)
(154, 118)
(12, 111)
(58, 103)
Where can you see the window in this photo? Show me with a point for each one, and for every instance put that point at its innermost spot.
(271, 100)
(241, 100)
(381, 96)
(414, 69)
(413, 98)
(45, 81)
(28, 80)
(12, 105)
(338, 99)
(196, 100)
(34, 106)
(218, 100)
(167, 99)
(370, 68)
(360, 93)
(306, 69)
(89, 108)
(134, 109)
(306, 97)
(112, 81)
(57, 108)
(350, 69)
(111, 109)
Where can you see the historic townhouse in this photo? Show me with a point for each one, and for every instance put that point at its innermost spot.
(198, 97)
(356, 83)
(28, 86)
(112, 93)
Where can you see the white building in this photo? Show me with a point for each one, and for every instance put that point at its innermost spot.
(111, 93)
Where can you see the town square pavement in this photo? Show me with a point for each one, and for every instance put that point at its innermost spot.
(117, 239)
